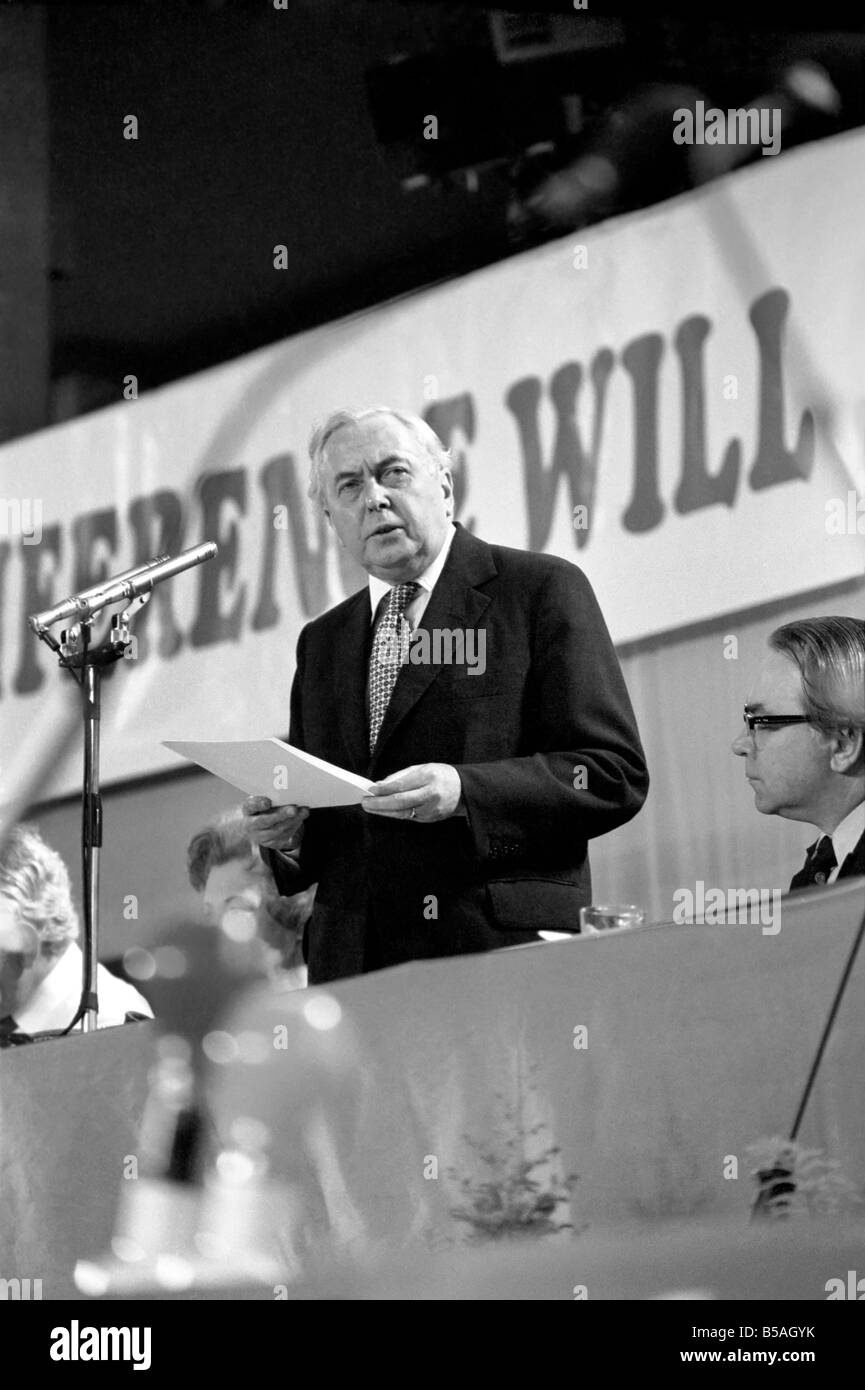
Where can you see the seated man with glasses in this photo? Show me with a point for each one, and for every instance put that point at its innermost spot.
(804, 740)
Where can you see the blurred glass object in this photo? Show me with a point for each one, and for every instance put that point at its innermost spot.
(603, 918)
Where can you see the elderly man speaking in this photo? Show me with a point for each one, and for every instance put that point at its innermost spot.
(490, 775)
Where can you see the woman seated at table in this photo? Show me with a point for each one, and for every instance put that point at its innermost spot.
(40, 961)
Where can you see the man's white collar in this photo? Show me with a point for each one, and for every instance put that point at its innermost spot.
(379, 587)
(846, 836)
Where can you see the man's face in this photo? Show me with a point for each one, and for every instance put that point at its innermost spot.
(235, 896)
(386, 499)
(19, 952)
(787, 767)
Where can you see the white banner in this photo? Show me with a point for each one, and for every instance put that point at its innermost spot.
(674, 400)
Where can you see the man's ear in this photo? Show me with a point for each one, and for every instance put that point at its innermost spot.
(849, 750)
(333, 528)
(447, 481)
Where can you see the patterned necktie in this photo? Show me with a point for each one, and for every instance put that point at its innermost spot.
(818, 865)
(389, 650)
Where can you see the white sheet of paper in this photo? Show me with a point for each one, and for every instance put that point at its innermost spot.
(269, 767)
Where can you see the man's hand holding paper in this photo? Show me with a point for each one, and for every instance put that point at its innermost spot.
(273, 827)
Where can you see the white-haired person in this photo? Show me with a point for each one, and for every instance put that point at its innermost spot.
(499, 742)
(41, 963)
(239, 893)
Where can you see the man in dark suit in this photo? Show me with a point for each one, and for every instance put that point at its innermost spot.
(804, 741)
(478, 688)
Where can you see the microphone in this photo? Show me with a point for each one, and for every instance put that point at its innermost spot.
(72, 607)
(127, 585)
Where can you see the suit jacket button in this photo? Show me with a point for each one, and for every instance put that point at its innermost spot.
(820, 878)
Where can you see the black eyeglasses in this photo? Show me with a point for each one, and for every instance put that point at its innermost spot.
(772, 721)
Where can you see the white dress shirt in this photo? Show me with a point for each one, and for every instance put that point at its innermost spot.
(846, 836)
(55, 999)
(414, 610)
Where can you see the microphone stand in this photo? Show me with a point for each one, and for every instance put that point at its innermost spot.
(778, 1182)
(76, 653)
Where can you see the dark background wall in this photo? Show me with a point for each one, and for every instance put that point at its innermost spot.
(253, 131)
(260, 127)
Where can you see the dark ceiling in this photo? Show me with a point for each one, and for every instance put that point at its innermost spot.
(260, 127)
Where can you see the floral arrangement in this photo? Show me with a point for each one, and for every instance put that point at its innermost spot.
(792, 1179)
(508, 1198)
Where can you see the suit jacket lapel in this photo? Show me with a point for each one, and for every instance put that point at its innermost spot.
(350, 659)
(454, 603)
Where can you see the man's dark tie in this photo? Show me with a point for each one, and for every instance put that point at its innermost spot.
(819, 863)
(387, 654)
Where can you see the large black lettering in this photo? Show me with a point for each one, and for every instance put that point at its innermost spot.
(157, 529)
(211, 624)
(641, 360)
(447, 418)
(774, 463)
(94, 544)
(697, 487)
(569, 457)
(284, 508)
(88, 530)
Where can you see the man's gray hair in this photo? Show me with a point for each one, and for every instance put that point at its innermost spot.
(35, 879)
(426, 437)
(830, 654)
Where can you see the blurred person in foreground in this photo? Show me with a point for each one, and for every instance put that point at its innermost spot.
(238, 891)
(804, 741)
(490, 775)
(40, 961)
